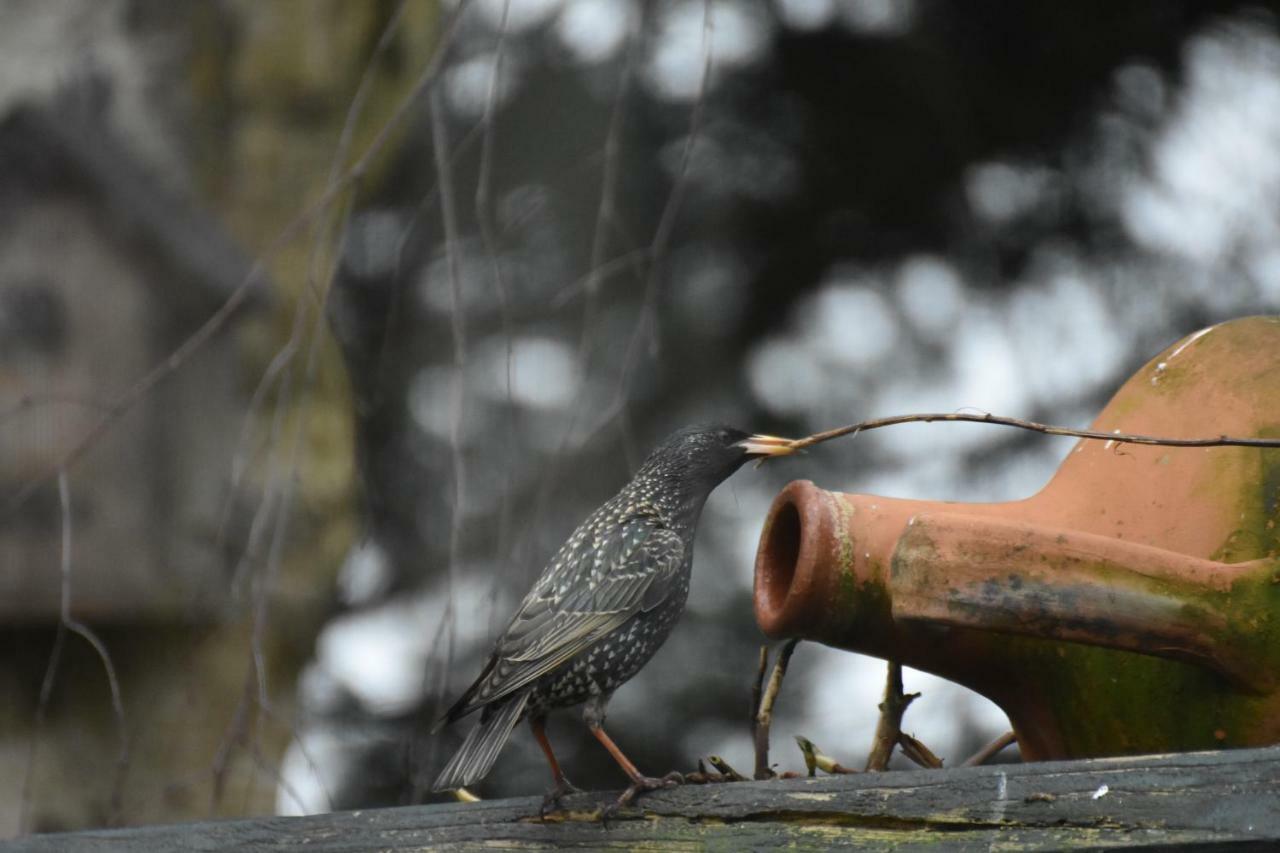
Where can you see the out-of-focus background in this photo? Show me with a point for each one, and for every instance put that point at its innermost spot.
(322, 324)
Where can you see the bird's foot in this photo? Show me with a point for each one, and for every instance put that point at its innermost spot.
(562, 789)
(641, 785)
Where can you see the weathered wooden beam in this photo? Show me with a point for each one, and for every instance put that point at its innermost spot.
(1196, 801)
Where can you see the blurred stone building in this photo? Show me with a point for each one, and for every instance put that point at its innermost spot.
(103, 273)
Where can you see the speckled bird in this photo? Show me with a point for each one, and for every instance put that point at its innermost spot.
(602, 607)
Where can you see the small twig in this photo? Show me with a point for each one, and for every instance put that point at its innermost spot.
(67, 624)
(725, 769)
(757, 693)
(77, 627)
(646, 323)
(1018, 423)
(485, 224)
(702, 775)
(889, 729)
(764, 711)
(457, 390)
(815, 759)
(810, 753)
(989, 751)
(635, 258)
(918, 752)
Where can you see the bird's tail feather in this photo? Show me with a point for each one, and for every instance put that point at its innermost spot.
(473, 759)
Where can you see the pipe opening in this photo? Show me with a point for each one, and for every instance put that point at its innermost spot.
(780, 553)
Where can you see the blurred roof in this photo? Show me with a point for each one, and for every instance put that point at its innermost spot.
(66, 146)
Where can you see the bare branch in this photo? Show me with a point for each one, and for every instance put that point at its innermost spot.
(484, 222)
(725, 769)
(815, 759)
(66, 625)
(596, 273)
(889, 728)
(662, 238)
(635, 259)
(608, 189)
(764, 712)
(1018, 423)
(448, 214)
(757, 694)
(989, 751)
(918, 752)
(42, 707)
(117, 708)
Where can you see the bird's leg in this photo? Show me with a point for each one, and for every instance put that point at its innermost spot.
(593, 714)
(562, 786)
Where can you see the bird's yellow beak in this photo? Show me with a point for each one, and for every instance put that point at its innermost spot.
(767, 445)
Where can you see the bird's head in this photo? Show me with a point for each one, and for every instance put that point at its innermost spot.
(707, 454)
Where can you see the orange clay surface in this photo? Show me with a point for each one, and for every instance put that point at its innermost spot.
(1132, 605)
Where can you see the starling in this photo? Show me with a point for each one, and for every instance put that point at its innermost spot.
(602, 607)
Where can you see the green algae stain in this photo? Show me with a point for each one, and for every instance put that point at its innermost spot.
(1247, 484)
(1111, 702)
(847, 594)
(844, 613)
(841, 526)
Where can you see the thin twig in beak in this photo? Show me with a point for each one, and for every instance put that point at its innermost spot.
(767, 445)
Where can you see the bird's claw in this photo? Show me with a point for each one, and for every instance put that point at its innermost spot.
(640, 786)
(551, 801)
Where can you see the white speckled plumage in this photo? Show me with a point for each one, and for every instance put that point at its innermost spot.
(605, 602)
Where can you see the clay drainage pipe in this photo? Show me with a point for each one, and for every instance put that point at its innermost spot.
(942, 586)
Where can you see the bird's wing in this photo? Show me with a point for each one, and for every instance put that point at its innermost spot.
(594, 586)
